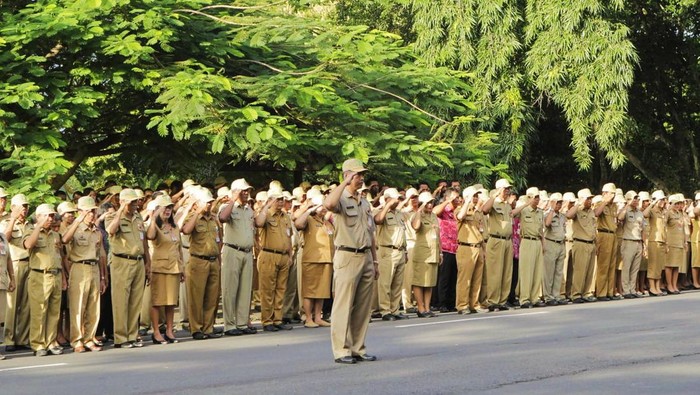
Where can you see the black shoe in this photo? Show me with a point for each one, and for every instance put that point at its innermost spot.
(578, 300)
(564, 302)
(604, 299)
(377, 315)
(233, 332)
(444, 309)
(170, 340)
(124, 345)
(156, 341)
(464, 311)
(270, 328)
(629, 296)
(199, 336)
(493, 307)
(526, 305)
(431, 313)
(283, 327)
(503, 307)
(539, 304)
(401, 316)
(215, 335)
(552, 302)
(473, 310)
(388, 317)
(424, 315)
(249, 331)
(364, 358)
(617, 297)
(411, 310)
(217, 330)
(590, 299)
(346, 360)
(10, 348)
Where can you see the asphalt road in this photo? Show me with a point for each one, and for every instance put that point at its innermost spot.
(641, 346)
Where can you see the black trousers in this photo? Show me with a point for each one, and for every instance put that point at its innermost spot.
(447, 281)
(105, 327)
(512, 298)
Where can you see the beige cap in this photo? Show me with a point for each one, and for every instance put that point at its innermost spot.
(609, 187)
(644, 195)
(204, 195)
(114, 189)
(597, 199)
(697, 196)
(274, 184)
(86, 203)
(631, 195)
(240, 184)
(298, 193)
(658, 195)
(584, 193)
(675, 198)
(353, 165)
(569, 196)
(128, 195)
(313, 193)
(469, 192)
(619, 199)
(502, 183)
(219, 181)
(19, 200)
(45, 209)
(188, 182)
(391, 193)
(222, 192)
(151, 206)
(261, 196)
(163, 201)
(411, 192)
(3, 193)
(532, 192)
(483, 194)
(425, 197)
(317, 200)
(274, 194)
(66, 207)
(139, 193)
(557, 197)
(544, 195)
(287, 196)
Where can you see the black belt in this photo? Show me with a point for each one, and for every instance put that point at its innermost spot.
(278, 252)
(530, 238)
(353, 250)
(130, 257)
(209, 258)
(394, 247)
(186, 247)
(91, 262)
(636, 241)
(585, 241)
(48, 271)
(555, 241)
(235, 247)
(605, 231)
(476, 245)
(22, 260)
(500, 237)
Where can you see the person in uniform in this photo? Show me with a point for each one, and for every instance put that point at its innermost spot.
(606, 214)
(694, 212)
(236, 216)
(202, 275)
(470, 265)
(130, 266)
(499, 248)
(167, 269)
(447, 277)
(17, 315)
(46, 280)
(531, 263)
(675, 242)
(6, 269)
(391, 245)
(642, 288)
(427, 253)
(554, 250)
(407, 297)
(4, 276)
(87, 270)
(656, 246)
(316, 260)
(632, 248)
(583, 250)
(66, 217)
(355, 266)
(274, 260)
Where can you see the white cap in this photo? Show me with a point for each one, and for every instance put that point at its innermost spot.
(619, 199)
(532, 192)
(503, 183)
(675, 198)
(697, 196)
(19, 200)
(298, 193)
(584, 193)
(274, 184)
(139, 193)
(66, 207)
(274, 193)
(163, 201)
(597, 199)
(114, 189)
(151, 206)
(86, 203)
(313, 193)
(411, 192)
(658, 195)
(128, 195)
(287, 196)
(630, 195)
(203, 195)
(240, 184)
(45, 209)
(261, 196)
(609, 187)
(3, 193)
(188, 182)
(223, 191)
(544, 195)
(317, 200)
(425, 197)
(391, 193)
(469, 192)
(644, 195)
(556, 197)
(569, 196)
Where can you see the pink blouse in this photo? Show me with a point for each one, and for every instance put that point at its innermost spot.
(448, 230)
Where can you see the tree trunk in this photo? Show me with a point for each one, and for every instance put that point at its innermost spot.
(658, 182)
(58, 181)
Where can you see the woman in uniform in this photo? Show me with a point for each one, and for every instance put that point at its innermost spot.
(167, 269)
(675, 242)
(426, 253)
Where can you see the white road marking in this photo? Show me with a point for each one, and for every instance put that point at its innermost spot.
(33, 367)
(472, 319)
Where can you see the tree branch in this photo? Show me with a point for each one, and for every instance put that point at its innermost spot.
(644, 170)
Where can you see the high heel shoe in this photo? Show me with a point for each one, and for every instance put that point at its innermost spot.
(156, 341)
(170, 340)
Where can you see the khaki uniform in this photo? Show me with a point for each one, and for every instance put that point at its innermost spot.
(657, 243)
(291, 302)
(631, 249)
(695, 243)
(352, 277)
(184, 315)
(273, 265)
(470, 265)
(128, 275)
(426, 253)
(44, 286)
(391, 249)
(166, 266)
(607, 252)
(84, 284)
(17, 315)
(583, 253)
(554, 256)
(202, 275)
(531, 257)
(317, 259)
(406, 291)
(4, 276)
(675, 239)
(237, 266)
(499, 254)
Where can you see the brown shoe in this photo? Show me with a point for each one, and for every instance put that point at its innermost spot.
(323, 323)
(79, 349)
(93, 347)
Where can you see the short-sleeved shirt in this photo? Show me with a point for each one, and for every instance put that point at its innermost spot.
(608, 218)
(500, 222)
(695, 236)
(129, 236)
(318, 240)
(427, 248)
(531, 222)
(85, 244)
(584, 224)
(392, 232)
(675, 234)
(633, 226)
(277, 232)
(46, 254)
(657, 225)
(448, 229)
(557, 228)
(204, 239)
(353, 222)
(469, 228)
(165, 251)
(4, 254)
(17, 251)
(239, 229)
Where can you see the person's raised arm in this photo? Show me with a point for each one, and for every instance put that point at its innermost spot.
(333, 199)
(571, 213)
(113, 226)
(70, 232)
(488, 205)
